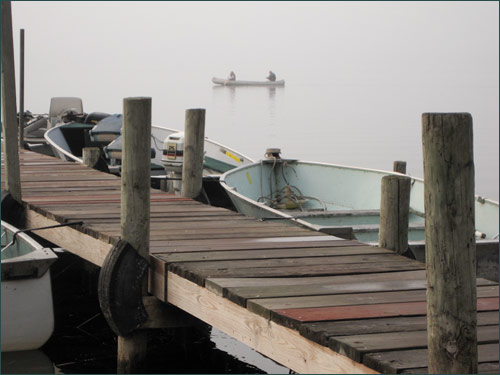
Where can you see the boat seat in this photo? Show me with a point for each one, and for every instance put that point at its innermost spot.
(375, 227)
(299, 214)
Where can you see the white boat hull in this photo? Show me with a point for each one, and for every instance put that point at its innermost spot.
(27, 307)
(27, 313)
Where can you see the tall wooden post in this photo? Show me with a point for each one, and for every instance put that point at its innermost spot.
(194, 138)
(450, 243)
(135, 209)
(394, 212)
(21, 90)
(399, 166)
(9, 118)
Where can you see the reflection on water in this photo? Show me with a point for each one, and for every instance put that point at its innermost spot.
(354, 124)
(83, 343)
(245, 353)
(26, 362)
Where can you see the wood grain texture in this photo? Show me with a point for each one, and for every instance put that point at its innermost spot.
(278, 343)
(450, 241)
(393, 362)
(294, 317)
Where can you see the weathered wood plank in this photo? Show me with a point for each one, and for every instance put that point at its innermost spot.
(278, 343)
(79, 243)
(355, 347)
(305, 260)
(264, 306)
(294, 317)
(268, 253)
(291, 241)
(321, 332)
(393, 362)
(250, 287)
(198, 275)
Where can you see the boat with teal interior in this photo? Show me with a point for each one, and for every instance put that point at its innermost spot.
(339, 200)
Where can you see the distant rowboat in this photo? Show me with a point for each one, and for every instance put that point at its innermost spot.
(226, 82)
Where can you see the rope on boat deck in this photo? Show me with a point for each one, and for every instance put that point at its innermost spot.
(14, 236)
(295, 200)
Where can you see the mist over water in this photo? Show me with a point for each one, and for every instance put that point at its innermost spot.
(358, 75)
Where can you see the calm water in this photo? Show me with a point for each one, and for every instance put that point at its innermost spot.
(351, 124)
(82, 342)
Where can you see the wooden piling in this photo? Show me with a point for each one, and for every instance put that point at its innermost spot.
(399, 166)
(136, 173)
(135, 209)
(9, 118)
(450, 243)
(91, 156)
(394, 212)
(194, 138)
(21, 89)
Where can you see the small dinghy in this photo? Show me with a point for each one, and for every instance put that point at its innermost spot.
(27, 308)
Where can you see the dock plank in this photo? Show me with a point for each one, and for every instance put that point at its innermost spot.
(321, 332)
(264, 306)
(295, 317)
(315, 303)
(355, 347)
(393, 362)
(202, 272)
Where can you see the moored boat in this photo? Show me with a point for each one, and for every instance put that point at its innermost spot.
(227, 82)
(339, 200)
(27, 307)
(68, 140)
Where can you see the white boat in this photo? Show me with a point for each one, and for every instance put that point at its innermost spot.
(227, 82)
(68, 140)
(339, 200)
(27, 308)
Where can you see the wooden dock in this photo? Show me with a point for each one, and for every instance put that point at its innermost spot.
(312, 302)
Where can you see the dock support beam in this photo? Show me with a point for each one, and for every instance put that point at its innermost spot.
(9, 118)
(450, 243)
(135, 209)
(394, 212)
(194, 138)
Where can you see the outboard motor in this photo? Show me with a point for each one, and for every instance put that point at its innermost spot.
(172, 159)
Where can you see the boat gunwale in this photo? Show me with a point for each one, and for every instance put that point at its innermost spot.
(41, 256)
(285, 216)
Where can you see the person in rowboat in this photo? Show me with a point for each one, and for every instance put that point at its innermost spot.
(232, 76)
(271, 77)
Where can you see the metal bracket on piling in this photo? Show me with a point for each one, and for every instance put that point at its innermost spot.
(120, 288)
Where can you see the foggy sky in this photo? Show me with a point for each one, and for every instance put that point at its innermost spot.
(105, 51)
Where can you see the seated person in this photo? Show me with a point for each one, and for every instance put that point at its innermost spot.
(271, 77)
(232, 76)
